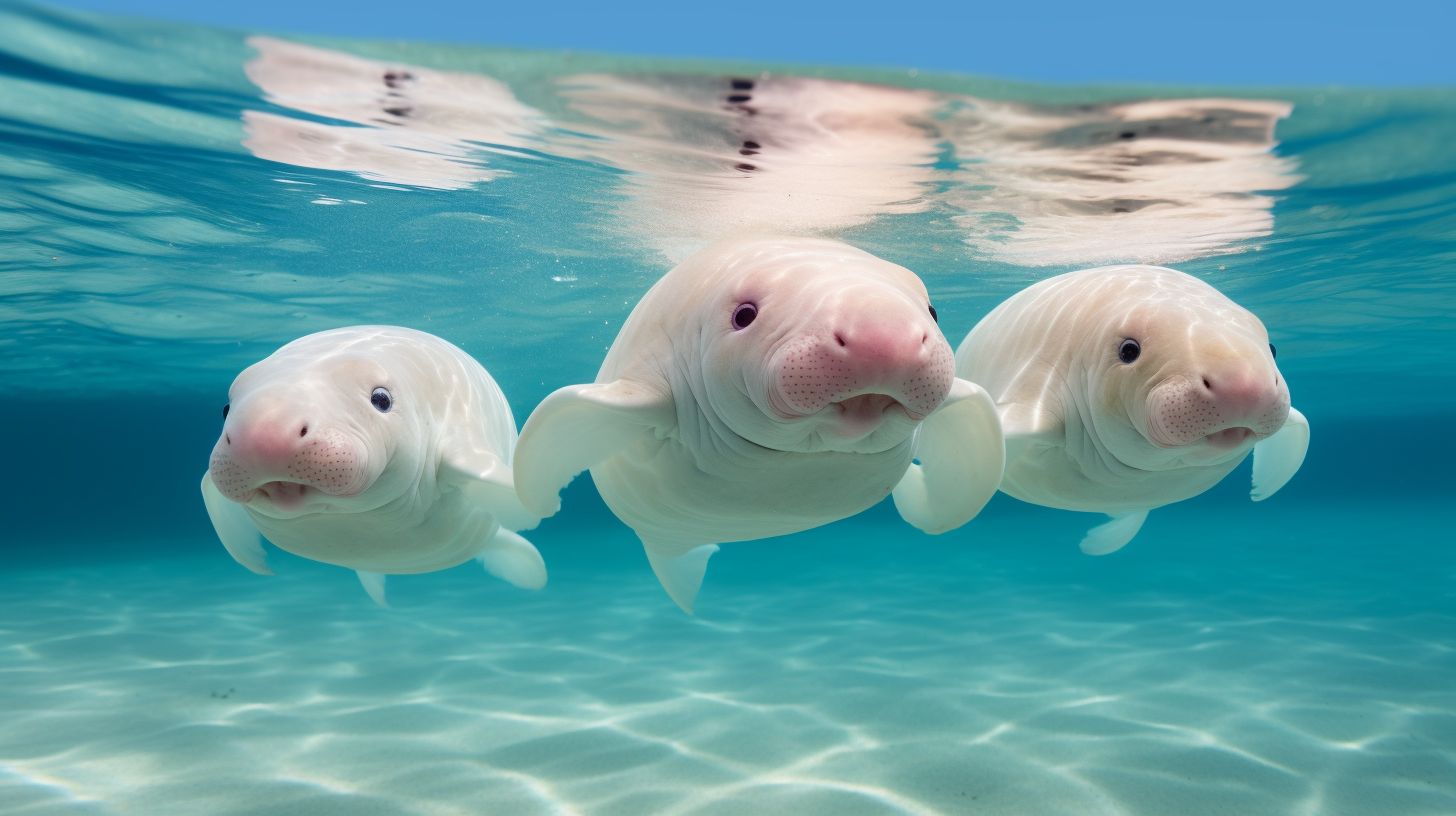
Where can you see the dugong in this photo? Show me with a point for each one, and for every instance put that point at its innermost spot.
(762, 387)
(377, 448)
(1125, 388)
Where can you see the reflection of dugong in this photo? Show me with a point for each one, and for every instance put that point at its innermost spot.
(713, 159)
(1126, 388)
(380, 449)
(1158, 180)
(411, 125)
(763, 387)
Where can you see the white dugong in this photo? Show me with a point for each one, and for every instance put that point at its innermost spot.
(762, 387)
(1126, 388)
(377, 448)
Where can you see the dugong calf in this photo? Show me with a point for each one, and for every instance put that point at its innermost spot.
(762, 387)
(377, 448)
(1126, 388)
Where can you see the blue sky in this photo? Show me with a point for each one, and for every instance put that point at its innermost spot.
(1391, 43)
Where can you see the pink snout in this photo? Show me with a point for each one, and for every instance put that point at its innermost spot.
(883, 350)
(867, 367)
(281, 460)
(1241, 394)
(267, 443)
(1225, 409)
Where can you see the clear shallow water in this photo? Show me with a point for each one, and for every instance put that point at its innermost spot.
(847, 675)
(177, 203)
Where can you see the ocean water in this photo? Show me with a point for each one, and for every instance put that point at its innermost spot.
(176, 202)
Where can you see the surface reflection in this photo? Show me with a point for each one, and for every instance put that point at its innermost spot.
(1155, 181)
(715, 158)
(707, 158)
(407, 125)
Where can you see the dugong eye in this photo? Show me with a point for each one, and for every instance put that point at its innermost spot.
(933, 315)
(1129, 350)
(225, 409)
(1272, 353)
(743, 315)
(380, 399)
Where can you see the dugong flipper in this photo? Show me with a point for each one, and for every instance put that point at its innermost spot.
(1125, 388)
(238, 533)
(587, 425)
(377, 448)
(762, 387)
(960, 462)
(489, 482)
(581, 426)
(507, 555)
(1277, 458)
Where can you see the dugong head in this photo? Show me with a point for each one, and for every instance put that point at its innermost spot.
(810, 345)
(1185, 375)
(330, 423)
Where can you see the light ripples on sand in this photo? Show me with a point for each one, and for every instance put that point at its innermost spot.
(1000, 678)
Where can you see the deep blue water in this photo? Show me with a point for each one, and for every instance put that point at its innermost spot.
(176, 203)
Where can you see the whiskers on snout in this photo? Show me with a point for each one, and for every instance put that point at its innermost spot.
(254, 466)
(1185, 412)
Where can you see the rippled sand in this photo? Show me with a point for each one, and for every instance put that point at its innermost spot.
(987, 672)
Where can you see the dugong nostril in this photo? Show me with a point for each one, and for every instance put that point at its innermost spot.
(302, 432)
(839, 338)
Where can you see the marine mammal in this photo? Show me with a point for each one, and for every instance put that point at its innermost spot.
(762, 387)
(377, 448)
(1125, 388)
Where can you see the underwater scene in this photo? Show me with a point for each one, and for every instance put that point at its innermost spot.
(789, 584)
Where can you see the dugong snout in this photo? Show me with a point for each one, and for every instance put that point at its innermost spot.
(867, 362)
(281, 458)
(1227, 408)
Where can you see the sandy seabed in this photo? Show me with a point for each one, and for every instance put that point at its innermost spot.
(818, 679)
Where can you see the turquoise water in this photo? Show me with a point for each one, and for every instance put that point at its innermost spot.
(176, 202)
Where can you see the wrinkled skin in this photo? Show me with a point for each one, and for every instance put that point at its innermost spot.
(762, 387)
(324, 473)
(1108, 436)
(779, 426)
